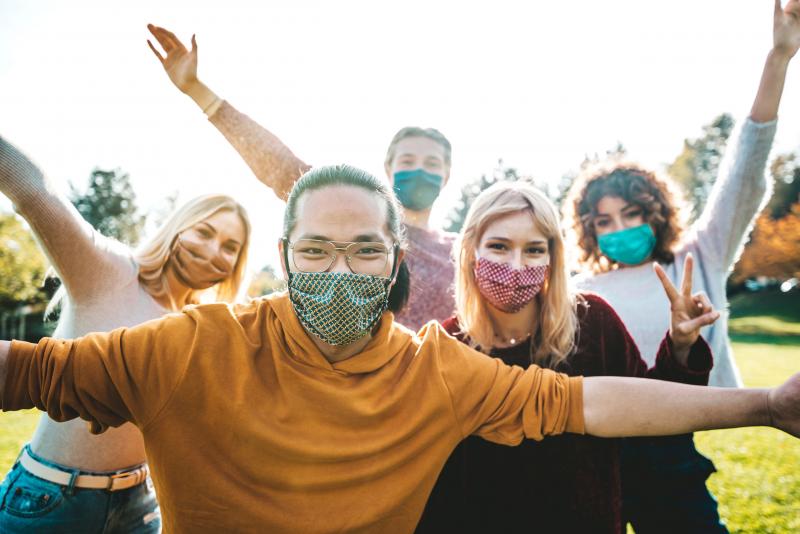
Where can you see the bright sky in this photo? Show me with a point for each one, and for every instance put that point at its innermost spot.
(538, 84)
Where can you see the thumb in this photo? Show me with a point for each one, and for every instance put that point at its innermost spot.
(194, 40)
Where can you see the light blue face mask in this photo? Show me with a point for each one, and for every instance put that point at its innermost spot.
(417, 189)
(631, 246)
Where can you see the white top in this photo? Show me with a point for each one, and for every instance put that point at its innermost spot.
(103, 293)
(715, 241)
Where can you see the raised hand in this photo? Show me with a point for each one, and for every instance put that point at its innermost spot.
(179, 62)
(786, 28)
(690, 312)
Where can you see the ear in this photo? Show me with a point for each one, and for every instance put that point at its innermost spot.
(282, 256)
(401, 254)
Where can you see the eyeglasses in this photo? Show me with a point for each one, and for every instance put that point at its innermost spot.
(316, 256)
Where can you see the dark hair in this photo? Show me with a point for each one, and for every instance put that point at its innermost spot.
(415, 131)
(332, 175)
(663, 206)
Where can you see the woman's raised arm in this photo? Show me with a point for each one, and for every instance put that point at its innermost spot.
(273, 163)
(85, 260)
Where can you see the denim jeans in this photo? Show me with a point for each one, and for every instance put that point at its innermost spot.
(664, 487)
(30, 504)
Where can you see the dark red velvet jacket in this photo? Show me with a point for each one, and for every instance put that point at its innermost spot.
(568, 483)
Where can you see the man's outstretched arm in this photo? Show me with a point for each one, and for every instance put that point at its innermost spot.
(622, 407)
(5, 347)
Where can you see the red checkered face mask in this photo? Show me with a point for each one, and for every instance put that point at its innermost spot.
(506, 288)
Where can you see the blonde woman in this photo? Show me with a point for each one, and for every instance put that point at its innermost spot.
(67, 479)
(514, 303)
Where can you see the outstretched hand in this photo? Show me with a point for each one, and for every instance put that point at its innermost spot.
(784, 406)
(690, 312)
(179, 62)
(786, 28)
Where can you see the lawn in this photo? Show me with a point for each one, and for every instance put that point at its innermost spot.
(758, 483)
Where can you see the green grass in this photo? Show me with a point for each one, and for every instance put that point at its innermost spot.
(758, 483)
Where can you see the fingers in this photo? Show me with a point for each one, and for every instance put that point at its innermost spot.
(686, 280)
(165, 38)
(153, 48)
(702, 302)
(669, 288)
(156, 32)
(194, 44)
(778, 9)
(697, 323)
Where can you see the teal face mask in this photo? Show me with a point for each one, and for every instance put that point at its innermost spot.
(417, 189)
(631, 246)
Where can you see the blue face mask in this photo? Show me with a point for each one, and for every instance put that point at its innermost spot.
(417, 189)
(631, 246)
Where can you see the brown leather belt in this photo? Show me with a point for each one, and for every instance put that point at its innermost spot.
(116, 482)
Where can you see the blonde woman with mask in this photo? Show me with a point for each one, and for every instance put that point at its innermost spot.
(514, 303)
(67, 479)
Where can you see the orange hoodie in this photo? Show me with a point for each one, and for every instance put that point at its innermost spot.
(249, 428)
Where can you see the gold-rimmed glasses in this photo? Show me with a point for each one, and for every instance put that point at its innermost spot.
(317, 256)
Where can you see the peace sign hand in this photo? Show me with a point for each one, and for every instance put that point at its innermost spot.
(690, 312)
(179, 62)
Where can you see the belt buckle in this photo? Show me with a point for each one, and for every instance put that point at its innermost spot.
(139, 474)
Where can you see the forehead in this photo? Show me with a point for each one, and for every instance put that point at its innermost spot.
(341, 213)
(517, 226)
(610, 204)
(421, 147)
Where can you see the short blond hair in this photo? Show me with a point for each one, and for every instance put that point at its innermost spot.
(557, 321)
(415, 131)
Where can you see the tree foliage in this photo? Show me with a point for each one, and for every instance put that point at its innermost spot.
(22, 265)
(455, 218)
(696, 167)
(774, 250)
(264, 282)
(109, 204)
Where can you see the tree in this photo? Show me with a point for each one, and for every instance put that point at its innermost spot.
(696, 167)
(455, 218)
(264, 282)
(785, 171)
(774, 250)
(109, 205)
(22, 265)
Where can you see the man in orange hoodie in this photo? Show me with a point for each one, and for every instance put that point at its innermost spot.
(313, 411)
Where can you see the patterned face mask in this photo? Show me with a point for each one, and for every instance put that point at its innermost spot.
(506, 288)
(338, 308)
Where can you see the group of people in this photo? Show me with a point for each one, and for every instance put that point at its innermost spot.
(408, 378)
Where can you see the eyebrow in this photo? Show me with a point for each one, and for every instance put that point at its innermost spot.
(215, 231)
(624, 208)
(534, 242)
(375, 238)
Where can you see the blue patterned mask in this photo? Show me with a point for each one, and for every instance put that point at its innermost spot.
(417, 189)
(631, 246)
(338, 308)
